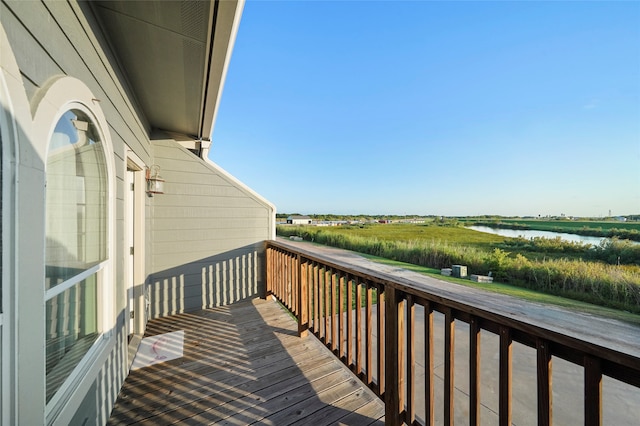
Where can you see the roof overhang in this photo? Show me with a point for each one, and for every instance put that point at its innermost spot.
(174, 55)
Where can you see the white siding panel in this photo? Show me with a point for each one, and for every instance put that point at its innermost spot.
(208, 233)
(60, 35)
(38, 66)
(205, 235)
(195, 202)
(218, 223)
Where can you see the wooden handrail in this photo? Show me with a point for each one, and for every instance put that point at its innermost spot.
(342, 304)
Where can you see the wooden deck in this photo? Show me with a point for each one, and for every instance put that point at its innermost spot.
(244, 364)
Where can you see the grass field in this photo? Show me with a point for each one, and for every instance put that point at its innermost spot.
(520, 292)
(421, 232)
(607, 276)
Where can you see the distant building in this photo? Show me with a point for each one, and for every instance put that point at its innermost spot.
(299, 220)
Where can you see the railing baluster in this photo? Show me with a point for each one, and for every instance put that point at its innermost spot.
(282, 274)
(381, 340)
(349, 320)
(449, 348)
(428, 364)
(368, 339)
(359, 328)
(303, 298)
(285, 285)
(411, 360)
(592, 391)
(341, 320)
(474, 371)
(321, 300)
(277, 278)
(545, 378)
(400, 382)
(504, 407)
(295, 283)
(269, 271)
(393, 352)
(316, 298)
(327, 305)
(334, 311)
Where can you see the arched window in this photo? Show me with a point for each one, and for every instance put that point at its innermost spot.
(76, 242)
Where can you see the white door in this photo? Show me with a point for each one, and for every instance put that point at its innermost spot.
(129, 245)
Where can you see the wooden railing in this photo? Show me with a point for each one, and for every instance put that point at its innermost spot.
(368, 320)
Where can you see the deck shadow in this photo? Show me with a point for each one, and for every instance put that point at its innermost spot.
(244, 364)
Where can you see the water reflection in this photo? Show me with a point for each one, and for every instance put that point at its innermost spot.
(529, 233)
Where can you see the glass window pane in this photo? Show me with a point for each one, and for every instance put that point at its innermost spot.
(71, 329)
(76, 213)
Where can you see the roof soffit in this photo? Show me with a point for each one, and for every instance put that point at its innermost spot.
(163, 47)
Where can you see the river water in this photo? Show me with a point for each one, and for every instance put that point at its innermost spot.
(528, 234)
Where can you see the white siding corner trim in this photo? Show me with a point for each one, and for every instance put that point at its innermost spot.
(15, 118)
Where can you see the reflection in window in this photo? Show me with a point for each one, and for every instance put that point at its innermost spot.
(76, 242)
(71, 329)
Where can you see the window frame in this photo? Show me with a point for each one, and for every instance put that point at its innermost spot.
(60, 96)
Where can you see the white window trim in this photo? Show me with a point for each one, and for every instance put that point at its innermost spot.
(59, 96)
(14, 117)
(12, 96)
(61, 288)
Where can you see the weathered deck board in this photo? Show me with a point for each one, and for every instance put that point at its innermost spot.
(244, 364)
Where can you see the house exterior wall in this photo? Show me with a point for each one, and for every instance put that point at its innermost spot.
(44, 47)
(203, 242)
(207, 233)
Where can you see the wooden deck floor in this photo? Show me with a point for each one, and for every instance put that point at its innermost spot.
(244, 364)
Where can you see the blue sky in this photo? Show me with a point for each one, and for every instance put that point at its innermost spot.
(445, 108)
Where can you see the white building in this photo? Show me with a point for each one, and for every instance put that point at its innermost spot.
(299, 220)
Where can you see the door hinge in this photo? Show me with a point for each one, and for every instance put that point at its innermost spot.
(131, 251)
(132, 186)
(132, 314)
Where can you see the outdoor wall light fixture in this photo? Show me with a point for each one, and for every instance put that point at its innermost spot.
(155, 184)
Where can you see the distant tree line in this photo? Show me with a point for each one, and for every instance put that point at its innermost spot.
(353, 217)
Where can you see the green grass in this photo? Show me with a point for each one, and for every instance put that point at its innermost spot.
(421, 232)
(596, 282)
(519, 292)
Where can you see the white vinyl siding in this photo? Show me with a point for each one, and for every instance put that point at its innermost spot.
(208, 233)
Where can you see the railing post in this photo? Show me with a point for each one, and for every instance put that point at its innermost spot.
(592, 391)
(545, 391)
(269, 281)
(391, 343)
(474, 372)
(504, 404)
(303, 300)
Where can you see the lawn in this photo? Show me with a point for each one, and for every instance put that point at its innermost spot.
(609, 277)
(519, 292)
(422, 232)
